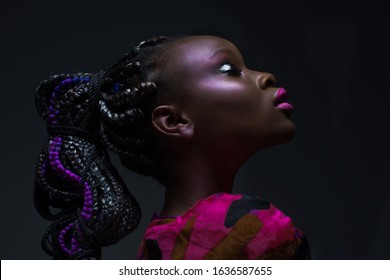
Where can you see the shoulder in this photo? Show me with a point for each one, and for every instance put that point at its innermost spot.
(225, 226)
(251, 220)
(276, 238)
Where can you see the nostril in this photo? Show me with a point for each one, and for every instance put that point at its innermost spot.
(269, 83)
(266, 80)
(270, 80)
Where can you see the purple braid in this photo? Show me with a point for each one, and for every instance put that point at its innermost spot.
(74, 173)
(66, 174)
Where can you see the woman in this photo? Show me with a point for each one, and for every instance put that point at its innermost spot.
(185, 111)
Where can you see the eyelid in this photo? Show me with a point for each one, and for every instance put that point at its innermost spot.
(233, 68)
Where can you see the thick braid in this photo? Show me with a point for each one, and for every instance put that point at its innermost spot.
(125, 108)
(75, 175)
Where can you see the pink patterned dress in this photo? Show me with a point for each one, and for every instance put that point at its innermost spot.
(224, 226)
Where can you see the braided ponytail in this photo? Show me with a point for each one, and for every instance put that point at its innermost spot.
(85, 115)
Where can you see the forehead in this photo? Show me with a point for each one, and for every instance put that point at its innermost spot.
(199, 46)
(196, 51)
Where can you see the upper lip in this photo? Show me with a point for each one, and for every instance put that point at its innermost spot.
(280, 96)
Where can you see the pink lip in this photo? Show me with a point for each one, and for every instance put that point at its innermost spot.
(280, 100)
(285, 106)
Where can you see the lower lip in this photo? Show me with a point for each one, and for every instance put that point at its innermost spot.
(285, 106)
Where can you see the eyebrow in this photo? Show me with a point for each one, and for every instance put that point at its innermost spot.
(221, 50)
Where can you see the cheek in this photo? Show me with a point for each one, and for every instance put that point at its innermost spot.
(228, 95)
(229, 107)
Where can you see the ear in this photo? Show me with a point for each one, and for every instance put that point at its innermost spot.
(168, 120)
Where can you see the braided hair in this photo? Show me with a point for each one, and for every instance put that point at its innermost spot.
(86, 115)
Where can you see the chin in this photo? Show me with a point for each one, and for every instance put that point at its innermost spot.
(283, 135)
(289, 133)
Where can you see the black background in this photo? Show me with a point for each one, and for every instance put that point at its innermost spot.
(332, 56)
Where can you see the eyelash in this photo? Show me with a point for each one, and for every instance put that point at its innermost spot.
(232, 71)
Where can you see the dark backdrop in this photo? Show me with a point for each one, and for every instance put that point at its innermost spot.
(332, 179)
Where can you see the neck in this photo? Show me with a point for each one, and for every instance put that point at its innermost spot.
(196, 177)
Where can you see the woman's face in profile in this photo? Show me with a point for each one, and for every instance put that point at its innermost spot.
(227, 102)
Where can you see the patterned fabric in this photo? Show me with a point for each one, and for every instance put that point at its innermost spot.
(224, 226)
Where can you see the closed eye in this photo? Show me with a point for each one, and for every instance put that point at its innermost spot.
(230, 69)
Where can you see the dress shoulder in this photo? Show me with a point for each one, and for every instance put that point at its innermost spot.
(224, 226)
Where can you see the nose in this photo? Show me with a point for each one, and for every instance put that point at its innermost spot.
(265, 80)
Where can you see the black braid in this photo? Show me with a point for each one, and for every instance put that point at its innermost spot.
(65, 130)
(127, 99)
(86, 114)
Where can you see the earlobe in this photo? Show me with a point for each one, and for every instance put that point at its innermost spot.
(168, 120)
